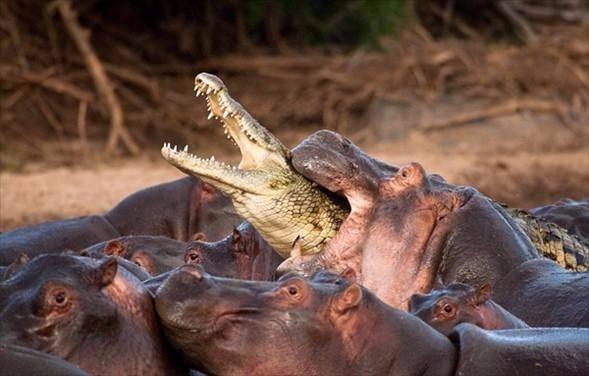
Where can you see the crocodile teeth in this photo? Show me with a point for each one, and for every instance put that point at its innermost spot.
(209, 90)
(210, 116)
(186, 148)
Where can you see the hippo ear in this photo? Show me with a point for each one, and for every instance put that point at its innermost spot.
(106, 271)
(350, 298)
(483, 293)
(349, 275)
(199, 237)
(114, 248)
(20, 260)
(297, 248)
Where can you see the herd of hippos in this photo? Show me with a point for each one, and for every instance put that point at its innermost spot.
(319, 260)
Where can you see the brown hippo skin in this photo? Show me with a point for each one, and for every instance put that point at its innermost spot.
(447, 307)
(55, 236)
(22, 361)
(294, 327)
(153, 254)
(243, 254)
(177, 209)
(533, 351)
(77, 307)
(407, 229)
(569, 214)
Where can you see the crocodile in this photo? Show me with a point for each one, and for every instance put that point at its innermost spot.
(282, 204)
(266, 190)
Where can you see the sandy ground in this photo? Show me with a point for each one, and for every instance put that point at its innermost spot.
(524, 180)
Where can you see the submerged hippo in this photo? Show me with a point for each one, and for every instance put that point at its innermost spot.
(177, 209)
(457, 303)
(407, 229)
(243, 254)
(87, 312)
(330, 326)
(154, 254)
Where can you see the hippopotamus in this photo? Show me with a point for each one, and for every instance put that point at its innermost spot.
(55, 236)
(22, 361)
(532, 351)
(243, 254)
(570, 214)
(407, 229)
(154, 254)
(456, 303)
(332, 326)
(235, 327)
(178, 209)
(76, 307)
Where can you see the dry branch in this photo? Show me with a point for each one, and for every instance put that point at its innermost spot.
(502, 109)
(100, 79)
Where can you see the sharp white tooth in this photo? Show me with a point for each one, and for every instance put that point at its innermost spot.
(209, 90)
(210, 116)
(212, 158)
(197, 91)
(175, 148)
(186, 148)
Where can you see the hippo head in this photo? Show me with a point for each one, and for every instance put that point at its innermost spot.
(153, 254)
(242, 254)
(447, 307)
(236, 327)
(405, 227)
(73, 307)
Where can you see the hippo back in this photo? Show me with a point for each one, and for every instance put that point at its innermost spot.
(543, 294)
(535, 351)
(22, 361)
(49, 237)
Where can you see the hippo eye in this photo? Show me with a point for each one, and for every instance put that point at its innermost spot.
(448, 308)
(404, 173)
(293, 290)
(60, 298)
(194, 258)
(138, 263)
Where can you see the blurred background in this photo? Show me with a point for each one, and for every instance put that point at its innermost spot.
(489, 93)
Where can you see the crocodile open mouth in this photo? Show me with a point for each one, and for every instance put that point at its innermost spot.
(258, 147)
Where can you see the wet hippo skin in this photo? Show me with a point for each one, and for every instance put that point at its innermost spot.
(294, 327)
(543, 294)
(533, 351)
(76, 307)
(21, 361)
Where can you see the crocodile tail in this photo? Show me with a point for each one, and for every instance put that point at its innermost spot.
(552, 241)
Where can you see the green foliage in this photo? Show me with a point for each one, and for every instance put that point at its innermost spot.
(344, 22)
